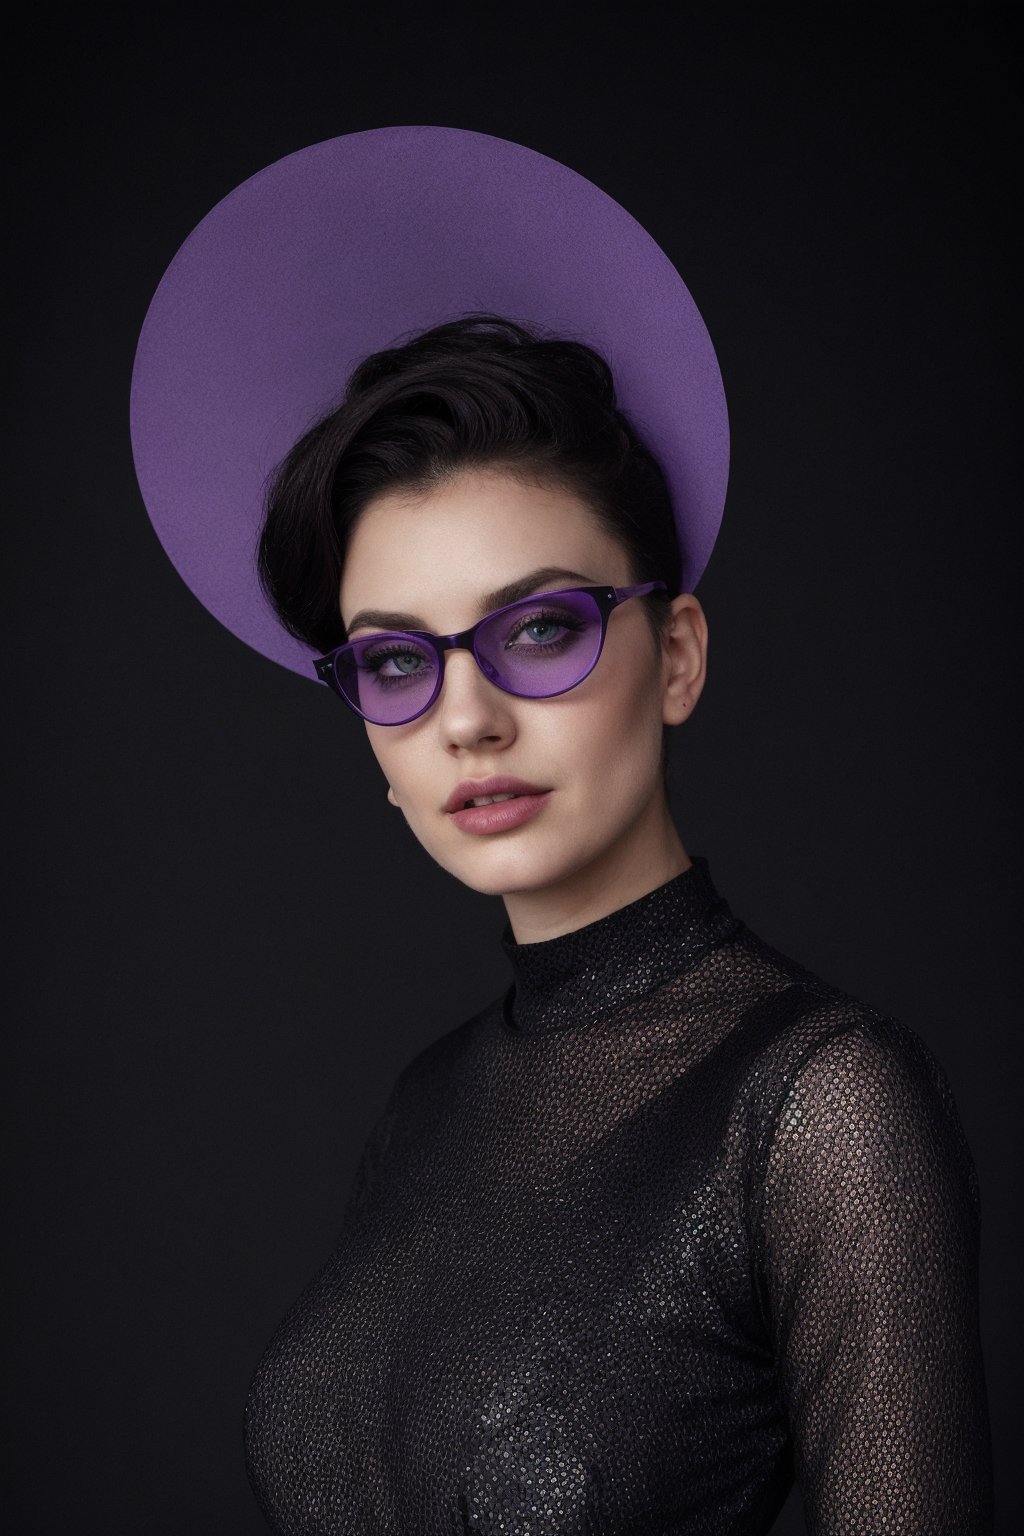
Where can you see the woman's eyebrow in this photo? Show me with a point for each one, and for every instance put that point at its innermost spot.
(523, 586)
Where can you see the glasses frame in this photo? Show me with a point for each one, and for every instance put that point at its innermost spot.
(607, 600)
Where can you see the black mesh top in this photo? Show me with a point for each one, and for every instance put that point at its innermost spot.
(671, 1223)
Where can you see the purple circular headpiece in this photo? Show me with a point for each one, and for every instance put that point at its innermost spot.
(355, 244)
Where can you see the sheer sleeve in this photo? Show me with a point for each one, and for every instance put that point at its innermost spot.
(869, 1232)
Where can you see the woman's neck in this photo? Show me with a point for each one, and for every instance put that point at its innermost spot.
(648, 854)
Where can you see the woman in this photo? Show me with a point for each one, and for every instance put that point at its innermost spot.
(672, 1222)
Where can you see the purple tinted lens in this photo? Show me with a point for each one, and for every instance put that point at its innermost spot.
(542, 646)
(389, 678)
(535, 649)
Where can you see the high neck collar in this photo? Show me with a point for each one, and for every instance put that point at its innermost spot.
(572, 981)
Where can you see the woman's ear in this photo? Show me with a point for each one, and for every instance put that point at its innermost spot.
(685, 657)
(391, 796)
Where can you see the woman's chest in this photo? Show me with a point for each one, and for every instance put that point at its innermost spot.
(536, 1330)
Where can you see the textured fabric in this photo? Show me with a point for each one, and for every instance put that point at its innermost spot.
(669, 1223)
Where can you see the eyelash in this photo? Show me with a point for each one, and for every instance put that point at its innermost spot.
(563, 620)
(374, 660)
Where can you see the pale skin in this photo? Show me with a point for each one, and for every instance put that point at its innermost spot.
(605, 836)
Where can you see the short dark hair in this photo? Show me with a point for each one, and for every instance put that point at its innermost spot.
(482, 390)
(473, 392)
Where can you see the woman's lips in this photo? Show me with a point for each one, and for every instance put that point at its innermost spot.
(502, 816)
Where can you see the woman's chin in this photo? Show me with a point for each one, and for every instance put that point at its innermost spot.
(507, 872)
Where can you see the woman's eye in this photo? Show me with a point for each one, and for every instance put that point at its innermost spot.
(542, 629)
(401, 664)
(395, 663)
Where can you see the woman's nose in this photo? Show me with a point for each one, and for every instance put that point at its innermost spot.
(470, 706)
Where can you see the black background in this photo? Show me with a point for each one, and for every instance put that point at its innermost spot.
(223, 942)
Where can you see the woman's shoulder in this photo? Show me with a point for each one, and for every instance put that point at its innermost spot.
(816, 1028)
(839, 1085)
(825, 1068)
(451, 1054)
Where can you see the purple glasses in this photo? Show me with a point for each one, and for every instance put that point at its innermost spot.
(535, 649)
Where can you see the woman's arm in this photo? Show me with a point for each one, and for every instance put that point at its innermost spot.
(869, 1238)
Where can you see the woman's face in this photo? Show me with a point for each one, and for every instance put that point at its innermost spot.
(596, 748)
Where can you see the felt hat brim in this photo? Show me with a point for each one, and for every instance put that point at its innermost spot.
(355, 244)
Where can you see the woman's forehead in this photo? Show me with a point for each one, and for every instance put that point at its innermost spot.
(457, 548)
(544, 579)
